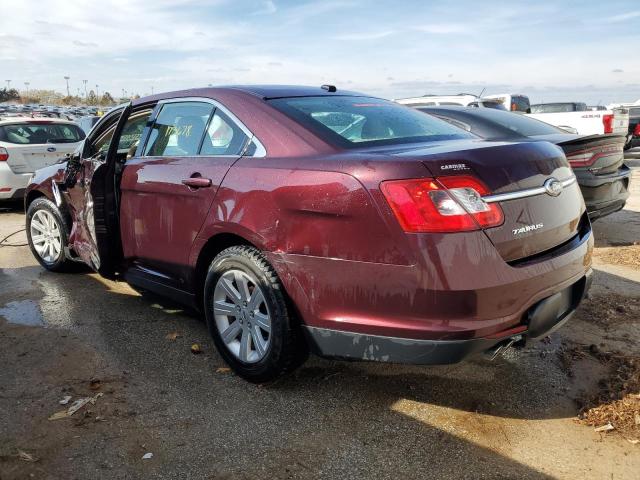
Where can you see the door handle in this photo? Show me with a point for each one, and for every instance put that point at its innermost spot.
(197, 182)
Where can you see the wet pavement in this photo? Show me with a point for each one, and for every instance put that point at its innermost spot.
(79, 334)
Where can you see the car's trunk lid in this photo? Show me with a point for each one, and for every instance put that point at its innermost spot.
(600, 154)
(534, 223)
(29, 158)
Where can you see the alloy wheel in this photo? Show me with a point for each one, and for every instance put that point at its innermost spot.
(46, 236)
(242, 316)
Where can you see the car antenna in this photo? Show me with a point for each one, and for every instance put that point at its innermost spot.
(329, 88)
(480, 96)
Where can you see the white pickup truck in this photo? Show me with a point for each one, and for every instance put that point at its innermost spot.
(578, 118)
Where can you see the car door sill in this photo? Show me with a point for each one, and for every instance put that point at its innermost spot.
(143, 278)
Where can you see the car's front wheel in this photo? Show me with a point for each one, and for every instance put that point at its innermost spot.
(47, 235)
(248, 316)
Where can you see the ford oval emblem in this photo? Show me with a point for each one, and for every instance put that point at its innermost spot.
(51, 149)
(553, 187)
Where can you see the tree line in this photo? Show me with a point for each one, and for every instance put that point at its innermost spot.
(50, 97)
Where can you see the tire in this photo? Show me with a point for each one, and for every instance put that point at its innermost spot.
(242, 295)
(43, 214)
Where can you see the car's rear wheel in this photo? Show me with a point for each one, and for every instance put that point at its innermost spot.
(47, 235)
(248, 316)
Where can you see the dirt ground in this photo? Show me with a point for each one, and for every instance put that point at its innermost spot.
(529, 415)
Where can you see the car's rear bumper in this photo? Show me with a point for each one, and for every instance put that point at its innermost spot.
(604, 194)
(12, 185)
(459, 289)
(539, 320)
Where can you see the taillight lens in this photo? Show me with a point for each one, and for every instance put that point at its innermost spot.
(607, 120)
(636, 131)
(586, 158)
(444, 204)
(4, 155)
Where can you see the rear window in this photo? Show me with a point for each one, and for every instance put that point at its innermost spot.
(361, 121)
(554, 108)
(37, 133)
(634, 112)
(516, 122)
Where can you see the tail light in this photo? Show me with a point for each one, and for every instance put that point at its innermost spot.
(444, 204)
(586, 158)
(4, 155)
(607, 120)
(636, 131)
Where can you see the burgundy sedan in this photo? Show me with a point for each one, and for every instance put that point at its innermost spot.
(305, 219)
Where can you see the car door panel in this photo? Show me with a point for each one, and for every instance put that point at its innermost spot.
(160, 215)
(165, 196)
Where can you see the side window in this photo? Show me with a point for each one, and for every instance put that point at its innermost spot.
(104, 129)
(101, 144)
(223, 137)
(178, 129)
(132, 130)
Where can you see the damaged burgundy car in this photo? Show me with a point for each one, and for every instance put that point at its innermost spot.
(305, 219)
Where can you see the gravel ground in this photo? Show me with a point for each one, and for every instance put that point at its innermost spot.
(79, 335)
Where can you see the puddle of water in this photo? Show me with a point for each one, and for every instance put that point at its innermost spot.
(24, 312)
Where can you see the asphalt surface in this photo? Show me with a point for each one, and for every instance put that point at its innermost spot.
(79, 335)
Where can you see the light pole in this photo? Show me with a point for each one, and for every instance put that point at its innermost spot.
(151, 89)
(8, 84)
(67, 79)
(124, 93)
(85, 89)
(26, 87)
(97, 92)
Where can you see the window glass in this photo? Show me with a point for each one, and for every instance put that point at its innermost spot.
(223, 137)
(132, 130)
(553, 108)
(178, 129)
(520, 103)
(516, 122)
(362, 121)
(101, 144)
(38, 133)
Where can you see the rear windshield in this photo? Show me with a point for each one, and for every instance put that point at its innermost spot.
(516, 122)
(362, 121)
(634, 112)
(36, 133)
(558, 107)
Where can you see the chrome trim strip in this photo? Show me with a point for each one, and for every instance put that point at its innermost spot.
(529, 192)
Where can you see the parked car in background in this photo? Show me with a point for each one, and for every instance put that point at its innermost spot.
(514, 102)
(27, 144)
(462, 99)
(576, 116)
(597, 160)
(634, 126)
(304, 218)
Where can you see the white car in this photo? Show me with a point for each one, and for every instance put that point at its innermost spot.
(462, 99)
(577, 116)
(27, 144)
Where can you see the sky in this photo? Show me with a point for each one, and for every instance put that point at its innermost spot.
(550, 50)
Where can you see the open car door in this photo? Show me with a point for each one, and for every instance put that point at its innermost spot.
(95, 236)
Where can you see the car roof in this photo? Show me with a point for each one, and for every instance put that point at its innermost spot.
(265, 92)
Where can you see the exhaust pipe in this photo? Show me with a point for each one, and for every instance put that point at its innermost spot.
(502, 347)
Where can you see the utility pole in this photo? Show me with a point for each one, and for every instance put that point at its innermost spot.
(67, 79)
(85, 88)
